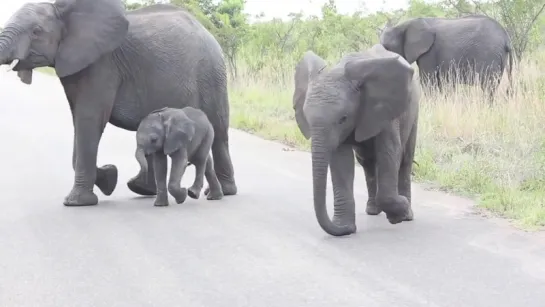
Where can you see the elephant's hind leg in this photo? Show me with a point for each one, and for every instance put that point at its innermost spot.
(144, 183)
(218, 114)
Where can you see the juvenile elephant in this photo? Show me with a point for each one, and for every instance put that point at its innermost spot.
(465, 45)
(368, 102)
(186, 135)
(117, 67)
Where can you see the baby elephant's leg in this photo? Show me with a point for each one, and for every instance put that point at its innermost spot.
(177, 170)
(160, 171)
(215, 190)
(195, 190)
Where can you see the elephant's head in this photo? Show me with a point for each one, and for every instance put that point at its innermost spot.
(410, 39)
(164, 129)
(68, 35)
(358, 97)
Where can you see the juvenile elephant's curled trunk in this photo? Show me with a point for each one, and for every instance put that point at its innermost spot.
(320, 164)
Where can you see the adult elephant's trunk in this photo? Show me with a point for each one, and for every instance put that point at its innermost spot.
(320, 162)
(6, 46)
(14, 47)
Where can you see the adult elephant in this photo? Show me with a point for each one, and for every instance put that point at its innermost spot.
(368, 102)
(117, 67)
(472, 43)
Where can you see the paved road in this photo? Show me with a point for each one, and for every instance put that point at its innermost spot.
(262, 247)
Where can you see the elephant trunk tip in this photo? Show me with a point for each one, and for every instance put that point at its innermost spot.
(337, 230)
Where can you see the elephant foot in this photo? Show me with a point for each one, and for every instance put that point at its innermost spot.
(372, 208)
(397, 209)
(179, 194)
(80, 197)
(194, 192)
(342, 222)
(107, 179)
(140, 185)
(161, 202)
(215, 195)
(228, 188)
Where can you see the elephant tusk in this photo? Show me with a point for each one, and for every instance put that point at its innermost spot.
(13, 64)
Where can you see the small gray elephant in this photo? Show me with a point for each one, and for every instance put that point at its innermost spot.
(186, 135)
(474, 43)
(367, 103)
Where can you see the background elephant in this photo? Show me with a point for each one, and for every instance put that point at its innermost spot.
(368, 102)
(117, 67)
(184, 135)
(474, 43)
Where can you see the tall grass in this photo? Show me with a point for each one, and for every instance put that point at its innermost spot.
(494, 153)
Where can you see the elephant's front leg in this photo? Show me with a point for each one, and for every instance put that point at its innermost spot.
(160, 177)
(90, 118)
(405, 170)
(342, 178)
(177, 170)
(106, 179)
(389, 153)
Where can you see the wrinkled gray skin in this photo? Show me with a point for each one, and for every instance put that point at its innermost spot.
(367, 103)
(473, 43)
(117, 67)
(186, 135)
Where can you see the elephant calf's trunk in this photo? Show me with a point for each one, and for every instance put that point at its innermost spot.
(319, 173)
(141, 158)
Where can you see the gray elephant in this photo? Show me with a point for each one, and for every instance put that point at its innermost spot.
(117, 67)
(186, 135)
(473, 43)
(367, 103)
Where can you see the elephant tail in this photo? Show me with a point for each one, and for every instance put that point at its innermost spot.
(510, 54)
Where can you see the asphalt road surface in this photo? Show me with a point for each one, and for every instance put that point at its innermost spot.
(262, 247)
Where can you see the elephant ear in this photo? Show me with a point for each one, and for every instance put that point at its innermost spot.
(178, 131)
(91, 29)
(310, 66)
(385, 86)
(419, 37)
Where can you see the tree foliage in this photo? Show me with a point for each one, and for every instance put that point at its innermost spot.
(278, 43)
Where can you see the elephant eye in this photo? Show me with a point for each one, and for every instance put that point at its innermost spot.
(37, 31)
(342, 119)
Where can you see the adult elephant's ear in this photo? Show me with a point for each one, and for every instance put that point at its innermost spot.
(310, 66)
(385, 86)
(419, 37)
(91, 29)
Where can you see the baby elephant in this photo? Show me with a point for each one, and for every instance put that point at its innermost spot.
(186, 135)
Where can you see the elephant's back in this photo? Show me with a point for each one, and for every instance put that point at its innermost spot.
(473, 39)
(164, 27)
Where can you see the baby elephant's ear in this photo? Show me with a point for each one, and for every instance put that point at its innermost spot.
(310, 66)
(178, 132)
